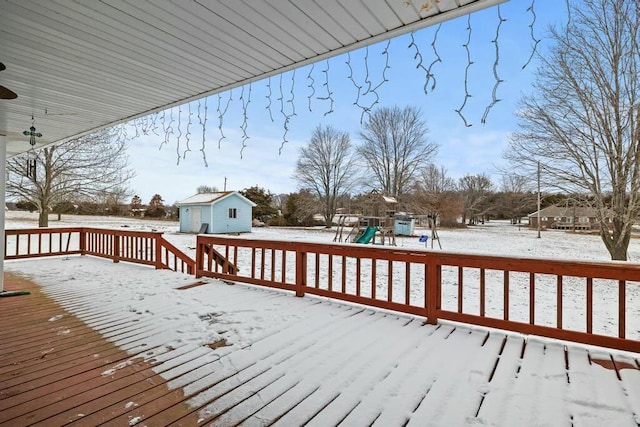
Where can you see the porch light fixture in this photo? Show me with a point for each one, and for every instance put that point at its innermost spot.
(31, 133)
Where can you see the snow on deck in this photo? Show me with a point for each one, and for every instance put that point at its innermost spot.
(246, 355)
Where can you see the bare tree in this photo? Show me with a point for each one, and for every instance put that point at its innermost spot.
(432, 189)
(475, 190)
(395, 148)
(204, 189)
(82, 168)
(582, 125)
(327, 167)
(517, 197)
(435, 195)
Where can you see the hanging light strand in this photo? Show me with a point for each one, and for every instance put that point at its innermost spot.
(430, 75)
(494, 96)
(179, 134)
(467, 95)
(535, 41)
(187, 136)
(383, 80)
(268, 96)
(245, 106)
(419, 65)
(329, 96)
(310, 86)
(202, 118)
(221, 113)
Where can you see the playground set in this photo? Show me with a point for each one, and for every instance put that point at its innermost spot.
(378, 224)
(381, 224)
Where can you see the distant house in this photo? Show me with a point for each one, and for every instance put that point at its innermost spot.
(565, 218)
(224, 212)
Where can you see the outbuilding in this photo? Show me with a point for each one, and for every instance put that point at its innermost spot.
(212, 213)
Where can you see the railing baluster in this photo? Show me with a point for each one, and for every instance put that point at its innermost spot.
(330, 273)
(532, 298)
(407, 283)
(589, 305)
(253, 263)
(273, 264)
(283, 268)
(358, 276)
(344, 274)
(389, 280)
(559, 305)
(622, 308)
(460, 289)
(505, 295)
(373, 278)
(483, 296)
(317, 281)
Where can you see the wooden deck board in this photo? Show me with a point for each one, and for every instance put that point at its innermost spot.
(66, 358)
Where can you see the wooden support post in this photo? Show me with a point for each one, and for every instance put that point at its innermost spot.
(83, 241)
(432, 291)
(116, 247)
(158, 251)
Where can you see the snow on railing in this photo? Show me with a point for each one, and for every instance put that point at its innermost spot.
(140, 247)
(587, 302)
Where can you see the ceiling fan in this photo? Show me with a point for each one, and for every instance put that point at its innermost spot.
(4, 92)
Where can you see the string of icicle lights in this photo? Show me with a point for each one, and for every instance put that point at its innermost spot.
(179, 123)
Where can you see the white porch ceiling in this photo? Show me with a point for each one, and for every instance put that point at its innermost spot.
(81, 65)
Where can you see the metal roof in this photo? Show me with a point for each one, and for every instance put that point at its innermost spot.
(78, 66)
(212, 198)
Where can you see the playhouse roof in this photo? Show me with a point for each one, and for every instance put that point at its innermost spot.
(211, 198)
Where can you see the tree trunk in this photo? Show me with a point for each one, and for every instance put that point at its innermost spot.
(43, 218)
(617, 240)
(618, 253)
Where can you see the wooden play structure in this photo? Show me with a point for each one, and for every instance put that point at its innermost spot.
(378, 223)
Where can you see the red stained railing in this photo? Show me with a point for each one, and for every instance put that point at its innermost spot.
(592, 303)
(140, 247)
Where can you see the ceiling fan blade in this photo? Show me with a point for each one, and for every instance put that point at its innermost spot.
(7, 94)
(2, 67)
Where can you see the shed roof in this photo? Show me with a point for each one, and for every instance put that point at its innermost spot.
(211, 198)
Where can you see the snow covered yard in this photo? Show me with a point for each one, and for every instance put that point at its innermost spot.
(493, 238)
(255, 356)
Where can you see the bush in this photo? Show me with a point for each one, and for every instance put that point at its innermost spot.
(24, 205)
(157, 212)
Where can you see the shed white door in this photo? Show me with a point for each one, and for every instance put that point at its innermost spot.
(195, 219)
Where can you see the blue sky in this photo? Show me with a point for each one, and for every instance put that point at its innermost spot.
(462, 150)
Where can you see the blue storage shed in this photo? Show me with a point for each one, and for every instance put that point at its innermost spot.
(223, 212)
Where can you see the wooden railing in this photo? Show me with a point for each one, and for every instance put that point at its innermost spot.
(592, 303)
(140, 247)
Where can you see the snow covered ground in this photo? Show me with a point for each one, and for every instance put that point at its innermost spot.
(492, 238)
(374, 368)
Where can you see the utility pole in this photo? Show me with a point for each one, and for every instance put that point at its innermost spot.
(539, 199)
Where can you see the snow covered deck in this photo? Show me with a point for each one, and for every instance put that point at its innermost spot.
(235, 354)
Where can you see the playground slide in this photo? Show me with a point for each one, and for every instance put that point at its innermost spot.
(367, 235)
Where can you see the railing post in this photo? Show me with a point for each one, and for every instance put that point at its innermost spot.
(433, 290)
(116, 247)
(199, 258)
(301, 273)
(83, 241)
(158, 251)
